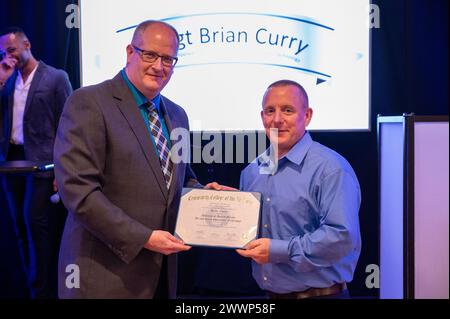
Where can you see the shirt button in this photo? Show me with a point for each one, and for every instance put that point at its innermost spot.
(268, 199)
(265, 278)
(266, 226)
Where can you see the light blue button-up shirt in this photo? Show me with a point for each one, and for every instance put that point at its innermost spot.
(310, 212)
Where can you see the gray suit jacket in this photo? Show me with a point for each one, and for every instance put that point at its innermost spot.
(111, 182)
(48, 92)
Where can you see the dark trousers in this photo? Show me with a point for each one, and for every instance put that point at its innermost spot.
(36, 227)
(162, 289)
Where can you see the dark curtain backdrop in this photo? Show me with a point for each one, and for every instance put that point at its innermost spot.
(409, 74)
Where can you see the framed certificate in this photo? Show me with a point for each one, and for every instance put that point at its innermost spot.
(226, 219)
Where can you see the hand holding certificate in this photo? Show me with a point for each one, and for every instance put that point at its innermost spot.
(227, 219)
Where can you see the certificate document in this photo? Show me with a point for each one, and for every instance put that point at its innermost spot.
(227, 219)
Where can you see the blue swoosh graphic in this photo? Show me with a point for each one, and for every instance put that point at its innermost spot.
(238, 13)
(270, 64)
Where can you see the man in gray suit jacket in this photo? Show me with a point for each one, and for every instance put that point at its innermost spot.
(117, 179)
(32, 96)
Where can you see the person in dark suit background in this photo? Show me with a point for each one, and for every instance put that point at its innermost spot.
(32, 98)
(117, 179)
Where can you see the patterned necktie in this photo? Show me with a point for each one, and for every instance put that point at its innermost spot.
(161, 143)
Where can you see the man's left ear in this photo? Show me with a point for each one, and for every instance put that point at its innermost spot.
(27, 44)
(308, 115)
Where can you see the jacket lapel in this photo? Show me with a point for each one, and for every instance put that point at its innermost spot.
(172, 122)
(10, 101)
(127, 106)
(34, 84)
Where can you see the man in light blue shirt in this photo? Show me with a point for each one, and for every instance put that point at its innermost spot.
(310, 237)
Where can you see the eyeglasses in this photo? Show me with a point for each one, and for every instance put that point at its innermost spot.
(151, 57)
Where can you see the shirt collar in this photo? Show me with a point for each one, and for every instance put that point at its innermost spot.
(295, 155)
(140, 98)
(30, 77)
(298, 152)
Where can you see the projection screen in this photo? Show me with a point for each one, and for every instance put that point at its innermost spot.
(230, 51)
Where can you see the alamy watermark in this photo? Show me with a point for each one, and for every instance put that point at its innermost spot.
(73, 17)
(374, 16)
(73, 277)
(225, 147)
(373, 279)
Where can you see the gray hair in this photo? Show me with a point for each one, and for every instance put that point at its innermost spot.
(302, 90)
(140, 29)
